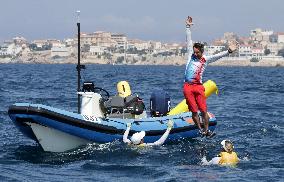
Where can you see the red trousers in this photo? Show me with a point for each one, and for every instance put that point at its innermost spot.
(195, 97)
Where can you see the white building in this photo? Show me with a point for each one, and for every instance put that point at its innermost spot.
(120, 40)
(98, 38)
(87, 38)
(55, 43)
(20, 41)
(266, 34)
(245, 51)
(139, 44)
(155, 45)
(211, 50)
(280, 38)
(103, 39)
(10, 49)
(274, 48)
(40, 43)
(258, 35)
(60, 51)
(130, 45)
(96, 50)
(70, 42)
(257, 53)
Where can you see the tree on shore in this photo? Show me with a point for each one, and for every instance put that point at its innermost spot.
(281, 52)
(107, 55)
(132, 50)
(44, 47)
(86, 48)
(254, 60)
(120, 60)
(183, 51)
(267, 52)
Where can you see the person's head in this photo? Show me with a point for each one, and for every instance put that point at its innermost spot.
(227, 146)
(198, 50)
(138, 138)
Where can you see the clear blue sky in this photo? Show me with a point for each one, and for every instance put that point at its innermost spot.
(161, 20)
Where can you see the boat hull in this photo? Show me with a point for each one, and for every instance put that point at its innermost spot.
(45, 124)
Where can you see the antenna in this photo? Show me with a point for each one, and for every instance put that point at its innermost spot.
(78, 16)
(79, 66)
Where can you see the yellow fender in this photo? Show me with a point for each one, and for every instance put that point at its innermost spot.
(210, 88)
(123, 89)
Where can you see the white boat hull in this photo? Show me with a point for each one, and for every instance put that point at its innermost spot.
(53, 140)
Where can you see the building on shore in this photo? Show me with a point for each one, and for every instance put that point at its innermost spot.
(96, 50)
(280, 37)
(61, 51)
(20, 41)
(120, 40)
(10, 49)
(257, 52)
(260, 37)
(40, 43)
(274, 48)
(245, 51)
(211, 50)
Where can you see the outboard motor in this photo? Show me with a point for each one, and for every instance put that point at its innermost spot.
(134, 105)
(90, 104)
(160, 103)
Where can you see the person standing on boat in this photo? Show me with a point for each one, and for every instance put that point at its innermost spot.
(193, 89)
(138, 138)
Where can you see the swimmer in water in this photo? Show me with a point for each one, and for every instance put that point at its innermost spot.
(226, 157)
(138, 138)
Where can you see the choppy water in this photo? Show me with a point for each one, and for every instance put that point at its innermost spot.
(249, 109)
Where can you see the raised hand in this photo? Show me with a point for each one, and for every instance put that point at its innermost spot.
(233, 46)
(189, 21)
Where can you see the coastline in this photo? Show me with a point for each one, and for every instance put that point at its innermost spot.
(248, 63)
(174, 60)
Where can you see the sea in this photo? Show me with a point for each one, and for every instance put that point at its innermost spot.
(249, 109)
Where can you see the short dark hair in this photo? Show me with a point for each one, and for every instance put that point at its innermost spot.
(199, 46)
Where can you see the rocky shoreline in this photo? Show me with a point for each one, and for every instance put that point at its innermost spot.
(174, 60)
(261, 63)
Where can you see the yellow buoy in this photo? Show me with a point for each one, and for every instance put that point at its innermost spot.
(123, 89)
(210, 88)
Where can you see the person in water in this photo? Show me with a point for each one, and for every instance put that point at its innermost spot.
(226, 157)
(193, 89)
(138, 138)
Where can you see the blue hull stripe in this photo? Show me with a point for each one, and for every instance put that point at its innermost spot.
(107, 131)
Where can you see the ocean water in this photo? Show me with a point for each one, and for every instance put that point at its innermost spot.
(249, 110)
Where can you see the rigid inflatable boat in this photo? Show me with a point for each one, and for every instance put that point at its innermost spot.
(101, 118)
(59, 130)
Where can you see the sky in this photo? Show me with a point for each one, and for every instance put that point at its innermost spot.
(159, 20)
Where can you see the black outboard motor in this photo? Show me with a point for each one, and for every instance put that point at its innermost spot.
(134, 105)
(130, 104)
(160, 103)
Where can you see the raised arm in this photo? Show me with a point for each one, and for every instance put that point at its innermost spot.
(215, 57)
(233, 46)
(188, 37)
(215, 160)
(163, 137)
(126, 133)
